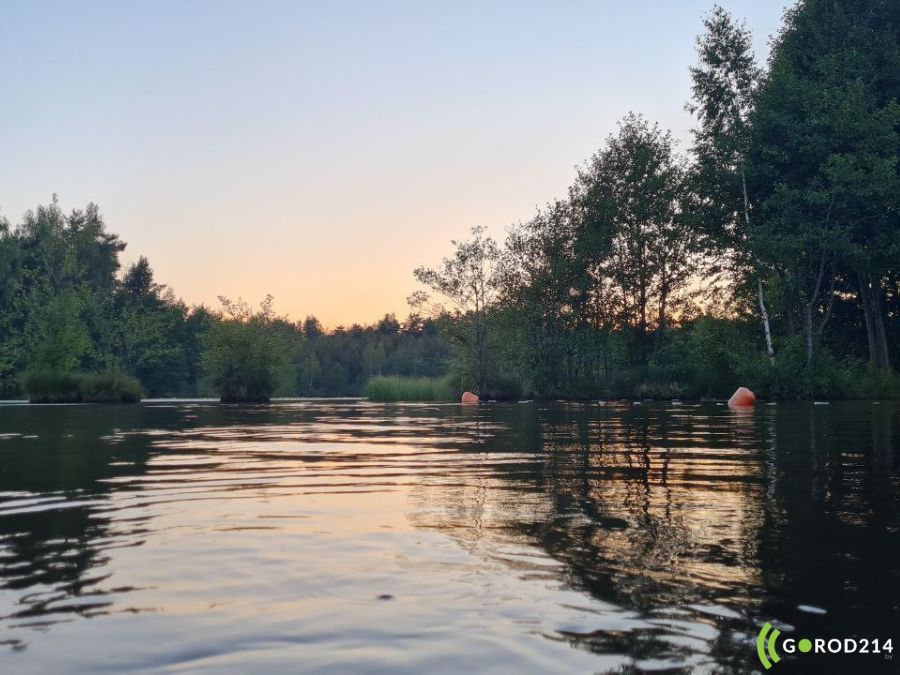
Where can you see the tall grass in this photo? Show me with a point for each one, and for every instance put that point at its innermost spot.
(62, 387)
(52, 387)
(660, 390)
(110, 388)
(393, 388)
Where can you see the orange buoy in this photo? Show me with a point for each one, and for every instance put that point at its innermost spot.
(469, 397)
(742, 398)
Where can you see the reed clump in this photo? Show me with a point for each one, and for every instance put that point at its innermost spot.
(71, 387)
(395, 388)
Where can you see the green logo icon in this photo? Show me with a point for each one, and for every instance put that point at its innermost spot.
(765, 645)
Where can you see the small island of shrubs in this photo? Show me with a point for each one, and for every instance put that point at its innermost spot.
(72, 387)
(245, 358)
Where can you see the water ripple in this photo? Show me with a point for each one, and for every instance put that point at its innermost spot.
(432, 538)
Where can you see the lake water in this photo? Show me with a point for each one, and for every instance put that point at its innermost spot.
(346, 536)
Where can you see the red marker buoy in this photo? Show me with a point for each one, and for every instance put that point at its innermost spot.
(469, 397)
(742, 398)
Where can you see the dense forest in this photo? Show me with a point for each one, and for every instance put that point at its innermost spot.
(767, 254)
(65, 307)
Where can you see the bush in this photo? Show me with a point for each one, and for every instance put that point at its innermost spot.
(10, 382)
(660, 390)
(651, 381)
(110, 388)
(245, 355)
(52, 387)
(395, 388)
(874, 383)
(789, 378)
(700, 359)
(502, 388)
(581, 389)
(69, 387)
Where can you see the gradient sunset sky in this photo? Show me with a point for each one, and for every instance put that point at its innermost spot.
(321, 151)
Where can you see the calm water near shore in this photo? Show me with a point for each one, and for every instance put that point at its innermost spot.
(345, 536)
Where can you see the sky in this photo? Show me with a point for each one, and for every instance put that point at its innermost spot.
(320, 151)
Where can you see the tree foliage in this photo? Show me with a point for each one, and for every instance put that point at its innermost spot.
(652, 275)
(468, 279)
(67, 311)
(786, 207)
(244, 355)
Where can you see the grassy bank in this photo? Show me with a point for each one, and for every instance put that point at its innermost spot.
(396, 388)
(63, 387)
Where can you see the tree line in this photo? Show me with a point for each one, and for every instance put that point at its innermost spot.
(67, 307)
(767, 254)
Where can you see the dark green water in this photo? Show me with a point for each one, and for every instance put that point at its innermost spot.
(342, 536)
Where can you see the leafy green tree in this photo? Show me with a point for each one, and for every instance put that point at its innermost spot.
(824, 149)
(632, 233)
(10, 336)
(150, 332)
(67, 274)
(138, 281)
(545, 290)
(56, 333)
(725, 80)
(469, 280)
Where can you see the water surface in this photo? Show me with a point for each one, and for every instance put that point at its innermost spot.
(345, 536)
